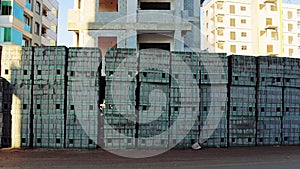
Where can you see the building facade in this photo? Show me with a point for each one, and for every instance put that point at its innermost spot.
(166, 24)
(258, 27)
(28, 22)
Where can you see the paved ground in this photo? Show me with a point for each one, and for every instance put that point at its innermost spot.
(213, 158)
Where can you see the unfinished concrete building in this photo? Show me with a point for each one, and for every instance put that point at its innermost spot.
(166, 24)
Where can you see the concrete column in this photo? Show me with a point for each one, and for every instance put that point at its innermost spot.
(178, 41)
(132, 10)
(131, 39)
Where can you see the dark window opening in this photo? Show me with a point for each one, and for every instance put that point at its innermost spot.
(108, 5)
(57, 106)
(163, 46)
(91, 107)
(71, 141)
(38, 106)
(39, 140)
(72, 107)
(249, 140)
(58, 72)
(155, 6)
(90, 141)
(6, 71)
(25, 72)
(57, 140)
(39, 72)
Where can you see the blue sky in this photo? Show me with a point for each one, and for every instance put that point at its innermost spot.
(65, 37)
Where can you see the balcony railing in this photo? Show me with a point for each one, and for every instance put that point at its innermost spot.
(47, 4)
(44, 40)
(46, 22)
(51, 34)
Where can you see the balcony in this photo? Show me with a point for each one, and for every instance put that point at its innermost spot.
(51, 34)
(47, 4)
(73, 19)
(6, 20)
(52, 18)
(46, 22)
(27, 28)
(45, 41)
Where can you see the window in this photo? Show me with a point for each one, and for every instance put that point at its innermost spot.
(232, 22)
(79, 4)
(155, 5)
(269, 48)
(220, 19)
(36, 28)
(243, 8)
(269, 21)
(25, 42)
(220, 45)
(243, 21)
(291, 51)
(220, 32)
(206, 13)
(291, 39)
(244, 47)
(6, 10)
(273, 8)
(274, 35)
(26, 20)
(37, 7)
(107, 42)
(244, 34)
(290, 27)
(233, 48)
(232, 36)
(290, 14)
(108, 5)
(206, 25)
(232, 9)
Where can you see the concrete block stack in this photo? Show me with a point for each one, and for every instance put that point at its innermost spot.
(120, 99)
(154, 91)
(11, 73)
(213, 99)
(242, 119)
(291, 102)
(82, 97)
(184, 99)
(270, 92)
(49, 96)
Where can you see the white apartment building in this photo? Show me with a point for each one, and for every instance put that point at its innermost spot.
(28, 22)
(166, 24)
(257, 27)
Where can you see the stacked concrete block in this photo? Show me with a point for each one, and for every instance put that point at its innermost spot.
(213, 116)
(291, 117)
(49, 96)
(291, 72)
(213, 100)
(5, 116)
(120, 99)
(154, 91)
(291, 102)
(16, 89)
(242, 119)
(184, 99)
(82, 97)
(269, 124)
